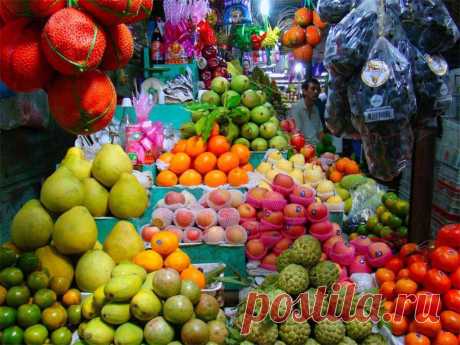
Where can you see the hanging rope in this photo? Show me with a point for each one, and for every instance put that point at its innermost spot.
(382, 18)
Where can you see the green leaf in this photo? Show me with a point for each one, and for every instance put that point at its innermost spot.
(199, 126)
(233, 102)
(208, 123)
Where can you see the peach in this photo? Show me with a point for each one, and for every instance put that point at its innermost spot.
(174, 198)
(274, 196)
(206, 218)
(258, 193)
(282, 245)
(255, 247)
(162, 217)
(192, 234)
(303, 192)
(379, 253)
(215, 234)
(148, 232)
(228, 216)
(236, 234)
(269, 260)
(273, 217)
(237, 198)
(184, 217)
(360, 265)
(283, 180)
(361, 244)
(343, 253)
(247, 211)
(294, 211)
(295, 231)
(327, 246)
(219, 198)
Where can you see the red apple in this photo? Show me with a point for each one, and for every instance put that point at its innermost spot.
(148, 232)
(247, 211)
(308, 152)
(283, 180)
(317, 211)
(273, 217)
(298, 141)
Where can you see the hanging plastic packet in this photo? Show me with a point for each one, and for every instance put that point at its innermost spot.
(332, 11)
(349, 42)
(428, 25)
(237, 12)
(383, 103)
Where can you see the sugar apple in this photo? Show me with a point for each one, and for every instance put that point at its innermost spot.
(312, 341)
(246, 343)
(279, 342)
(284, 259)
(358, 330)
(294, 333)
(273, 294)
(375, 339)
(312, 296)
(306, 251)
(340, 303)
(324, 274)
(263, 333)
(329, 332)
(348, 341)
(294, 279)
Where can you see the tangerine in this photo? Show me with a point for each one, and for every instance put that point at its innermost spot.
(164, 242)
(313, 35)
(388, 306)
(243, 153)
(71, 297)
(195, 146)
(384, 275)
(341, 164)
(195, 275)
(166, 157)
(215, 178)
(247, 167)
(227, 162)
(406, 286)
(190, 177)
(335, 176)
(238, 177)
(445, 338)
(180, 146)
(166, 178)
(404, 273)
(180, 162)
(399, 325)
(178, 261)
(205, 162)
(352, 168)
(218, 145)
(414, 338)
(387, 289)
(149, 260)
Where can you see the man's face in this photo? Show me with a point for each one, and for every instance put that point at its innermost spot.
(311, 92)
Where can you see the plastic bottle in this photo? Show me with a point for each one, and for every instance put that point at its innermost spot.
(125, 121)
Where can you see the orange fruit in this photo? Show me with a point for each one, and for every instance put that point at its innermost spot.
(166, 178)
(195, 275)
(190, 177)
(247, 167)
(406, 286)
(414, 338)
(427, 325)
(450, 321)
(352, 168)
(164, 242)
(387, 289)
(404, 273)
(180, 146)
(215, 178)
(445, 338)
(228, 161)
(149, 260)
(195, 146)
(238, 177)
(178, 261)
(180, 162)
(399, 325)
(205, 162)
(71, 297)
(341, 164)
(166, 157)
(242, 152)
(317, 21)
(313, 35)
(335, 176)
(384, 275)
(218, 145)
(215, 129)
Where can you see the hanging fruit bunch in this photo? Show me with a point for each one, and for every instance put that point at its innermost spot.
(65, 49)
(304, 35)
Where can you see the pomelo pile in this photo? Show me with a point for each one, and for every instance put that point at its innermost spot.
(214, 219)
(194, 162)
(304, 35)
(45, 45)
(422, 290)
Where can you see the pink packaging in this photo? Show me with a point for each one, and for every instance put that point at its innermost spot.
(274, 205)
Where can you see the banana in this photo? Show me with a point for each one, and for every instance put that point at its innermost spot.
(271, 38)
(89, 310)
(115, 313)
(122, 288)
(99, 296)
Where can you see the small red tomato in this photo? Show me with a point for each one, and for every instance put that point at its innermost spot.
(445, 258)
(407, 249)
(455, 278)
(417, 271)
(437, 281)
(428, 303)
(395, 264)
(449, 235)
(415, 258)
(452, 300)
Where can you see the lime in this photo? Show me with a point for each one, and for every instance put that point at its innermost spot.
(17, 296)
(372, 222)
(403, 231)
(386, 233)
(7, 317)
(45, 298)
(394, 222)
(7, 257)
(28, 315)
(401, 207)
(54, 317)
(385, 217)
(38, 280)
(362, 229)
(377, 229)
(13, 336)
(11, 276)
(74, 313)
(61, 336)
(28, 262)
(389, 199)
(60, 285)
(35, 335)
(3, 292)
(380, 210)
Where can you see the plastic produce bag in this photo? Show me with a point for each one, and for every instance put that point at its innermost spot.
(428, 25)
(383, 103)
(332, 11)
(366, 198)
(348, 43)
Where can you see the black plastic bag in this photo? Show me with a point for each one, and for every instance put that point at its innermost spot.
(332, 11)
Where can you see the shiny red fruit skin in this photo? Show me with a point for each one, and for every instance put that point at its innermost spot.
(449, 235)
(452, 300)
(428, 303)
(455, 278)
(437, 281)
(445, 258)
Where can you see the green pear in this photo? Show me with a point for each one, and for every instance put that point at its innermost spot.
(116, 313)
(126, 268)
(110, 162)
(81, 168)
(93, 270)
(96, 197)
(32, 226)
(123, 243)
(75, 231)
(97, 332)
(61, 191)
(129, 334)
(128, 199)
(122, 288)
(145, 305)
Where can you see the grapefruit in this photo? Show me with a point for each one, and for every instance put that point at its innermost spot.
(82, 104)
(120, 47)
(23, 65)
(112, 12)
(73, 42)
(34, 8)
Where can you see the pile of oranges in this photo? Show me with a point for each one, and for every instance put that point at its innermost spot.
(193, 162)
(165, 253)
(343, 167)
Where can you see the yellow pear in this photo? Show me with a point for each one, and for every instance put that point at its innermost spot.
(297, 175)
(298, 159)
(110, 162)
(81, 168)
(123, 242)
(275, 155)
(96, 197)
(74, 151)
(264, 184)
(325, 186)
(334, 200)
(128, 199)
(284, 165)
(264, 167)
(55, 264)
(272, 174)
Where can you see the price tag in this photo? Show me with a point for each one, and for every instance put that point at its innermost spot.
(379, 114)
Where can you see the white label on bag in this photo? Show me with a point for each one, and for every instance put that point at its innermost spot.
(379, 114)
(375, 73)
(437, 64)
(443, 103)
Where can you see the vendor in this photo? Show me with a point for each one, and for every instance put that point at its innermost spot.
(306, 113)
